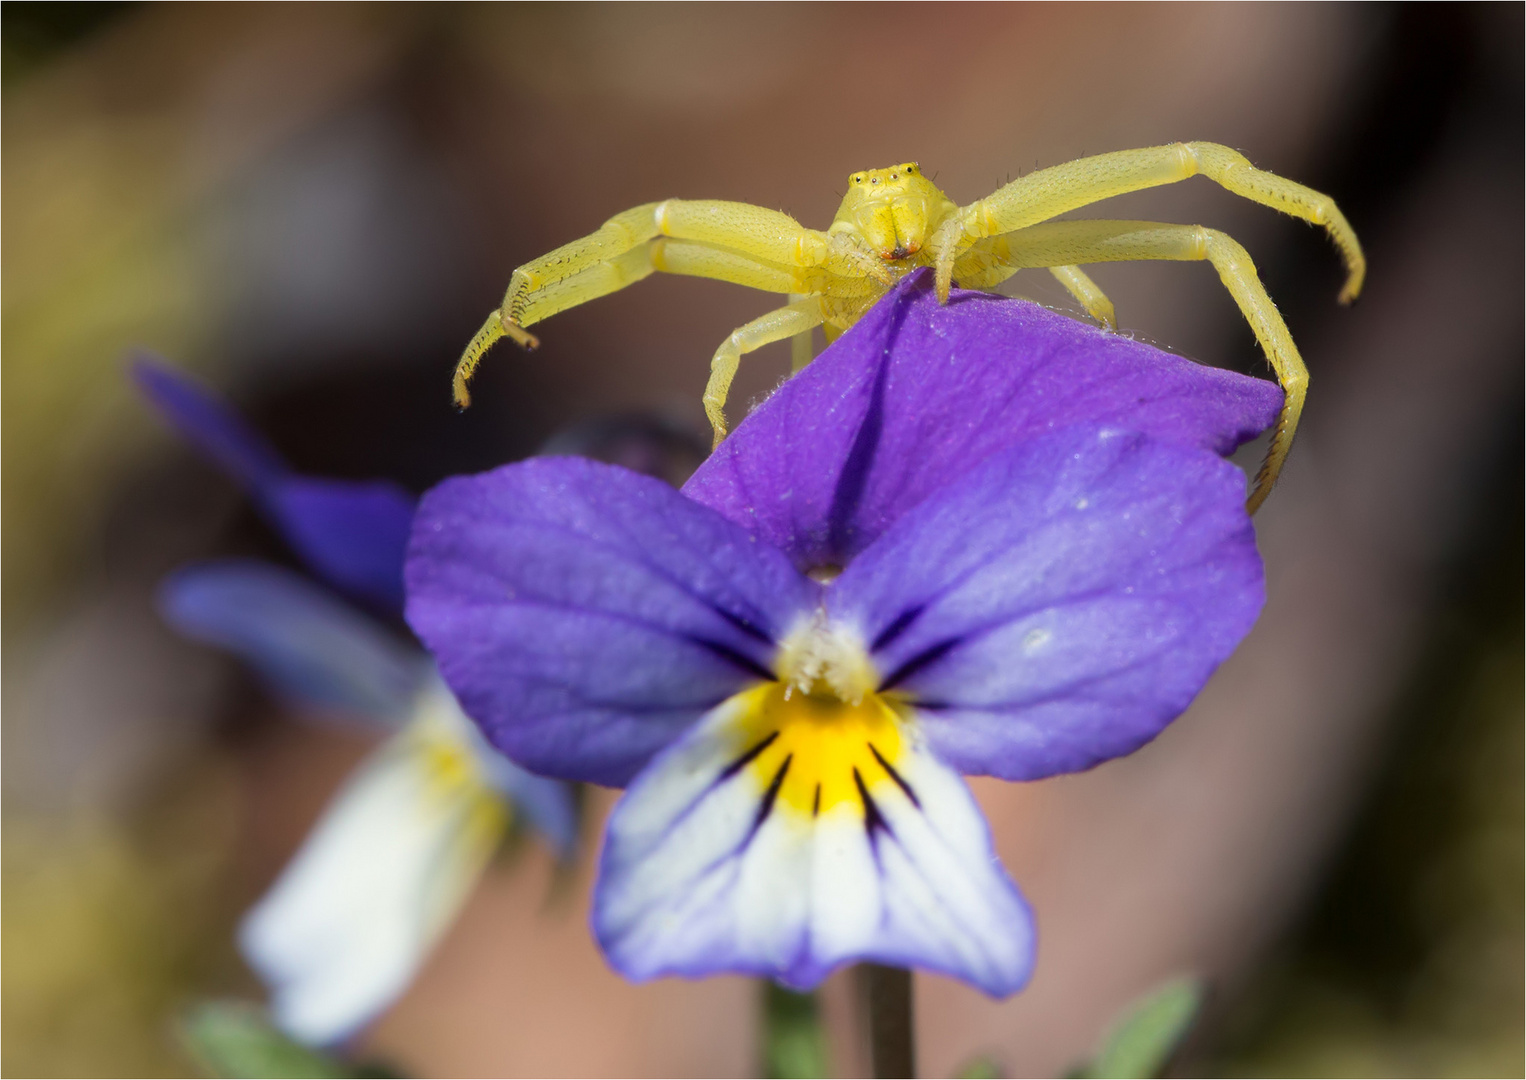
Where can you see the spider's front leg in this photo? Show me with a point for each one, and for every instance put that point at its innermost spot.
(1050, 192)
(1065, 243)
(729, 241)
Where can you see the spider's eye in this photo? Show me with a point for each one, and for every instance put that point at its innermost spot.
(874, 179)
(895, 176)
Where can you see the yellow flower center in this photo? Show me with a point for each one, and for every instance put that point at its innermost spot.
(821, 736)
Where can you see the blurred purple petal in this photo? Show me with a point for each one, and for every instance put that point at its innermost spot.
(207, 422)
(585, 615)
(1063, 602)
(310, 646)
(917, 393)
(353, 534)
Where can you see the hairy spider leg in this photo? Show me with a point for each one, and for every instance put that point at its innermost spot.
(595, 281)
(762, 244)
(1066, 242)
(1047, 193)
(792, 320)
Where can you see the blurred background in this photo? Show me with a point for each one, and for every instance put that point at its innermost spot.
(314, 207)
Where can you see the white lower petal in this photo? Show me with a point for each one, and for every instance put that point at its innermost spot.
(545, 804)
(342, 932)
(703, 871)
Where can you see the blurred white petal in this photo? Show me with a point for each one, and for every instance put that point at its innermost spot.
(343, 931)
(546, 804)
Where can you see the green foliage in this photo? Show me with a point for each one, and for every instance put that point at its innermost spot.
(1143, 1041)
(236, 1039)
(794, 1044)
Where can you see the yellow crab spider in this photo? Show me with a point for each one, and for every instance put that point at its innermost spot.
(894, 220)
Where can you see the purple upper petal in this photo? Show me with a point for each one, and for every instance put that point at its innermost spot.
(916, 393)
(354, 534)
(1062, 602)
(585, 614)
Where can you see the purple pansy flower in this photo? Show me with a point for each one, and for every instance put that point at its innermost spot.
(978, 538)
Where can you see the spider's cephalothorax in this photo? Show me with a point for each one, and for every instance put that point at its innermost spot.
(894, 220)
(892, 212)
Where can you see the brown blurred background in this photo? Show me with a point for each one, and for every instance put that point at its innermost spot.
(314, 207)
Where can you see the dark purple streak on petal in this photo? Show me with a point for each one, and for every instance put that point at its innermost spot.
(917, 393)
(1062, 602)
(585, 615)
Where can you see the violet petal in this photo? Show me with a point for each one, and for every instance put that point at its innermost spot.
(353, 534)
(305, 642)
(1061, 603)
(585, 615)
(916, 393)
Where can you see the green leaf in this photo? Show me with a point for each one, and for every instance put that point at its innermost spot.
(1143, 1041)
(236, 1039)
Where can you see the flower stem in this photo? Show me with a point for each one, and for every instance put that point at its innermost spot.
(890, 1024)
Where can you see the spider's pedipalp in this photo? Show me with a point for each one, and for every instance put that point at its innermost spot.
(1087, 293)
(986, 265)
(790, 321)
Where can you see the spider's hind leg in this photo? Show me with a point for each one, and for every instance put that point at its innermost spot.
(1065, 243)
